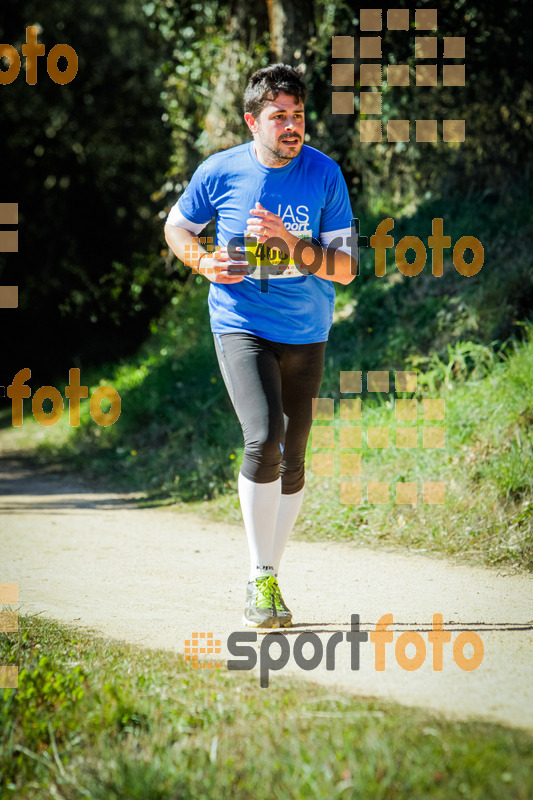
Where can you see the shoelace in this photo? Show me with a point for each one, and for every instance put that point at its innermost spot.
(266, 592)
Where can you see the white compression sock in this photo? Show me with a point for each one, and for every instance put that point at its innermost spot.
(259, 506)
(289, 508)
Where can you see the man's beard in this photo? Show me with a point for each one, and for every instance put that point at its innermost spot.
(287, 154)
(283, 153)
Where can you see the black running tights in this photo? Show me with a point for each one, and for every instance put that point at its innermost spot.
(271, 386)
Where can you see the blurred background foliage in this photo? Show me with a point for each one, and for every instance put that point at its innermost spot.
(95, 164)
(82, 161)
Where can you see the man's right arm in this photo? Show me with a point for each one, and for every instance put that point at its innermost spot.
(185, 246)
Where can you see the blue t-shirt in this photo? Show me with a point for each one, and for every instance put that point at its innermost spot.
(311, 197)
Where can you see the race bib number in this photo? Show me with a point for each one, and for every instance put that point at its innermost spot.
(267, 262)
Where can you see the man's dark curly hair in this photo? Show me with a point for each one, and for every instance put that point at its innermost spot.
(267, 83)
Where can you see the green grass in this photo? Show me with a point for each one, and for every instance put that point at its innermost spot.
(101, 719)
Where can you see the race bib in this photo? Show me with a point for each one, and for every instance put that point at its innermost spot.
(265, 262)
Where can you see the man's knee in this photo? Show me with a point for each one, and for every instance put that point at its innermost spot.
(262, 461)
(293, 475)
(267, 449)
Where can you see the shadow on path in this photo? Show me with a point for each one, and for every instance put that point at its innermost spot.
(30, 486)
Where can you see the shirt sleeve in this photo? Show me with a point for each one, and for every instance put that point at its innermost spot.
(193, 210)
(336, 221)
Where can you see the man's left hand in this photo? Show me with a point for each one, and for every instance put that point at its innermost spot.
(264, 224)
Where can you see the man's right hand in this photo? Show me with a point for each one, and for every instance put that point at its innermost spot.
(220, 267)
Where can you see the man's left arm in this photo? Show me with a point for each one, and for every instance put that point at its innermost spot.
(337, 232)
(328, 262)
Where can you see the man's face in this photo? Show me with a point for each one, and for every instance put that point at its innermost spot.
(279, 130)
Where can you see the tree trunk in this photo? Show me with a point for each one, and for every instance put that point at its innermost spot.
(291, 26)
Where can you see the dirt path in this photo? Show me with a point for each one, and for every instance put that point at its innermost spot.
(154, 576)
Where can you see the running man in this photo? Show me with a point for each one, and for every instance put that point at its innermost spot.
(270, 344)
